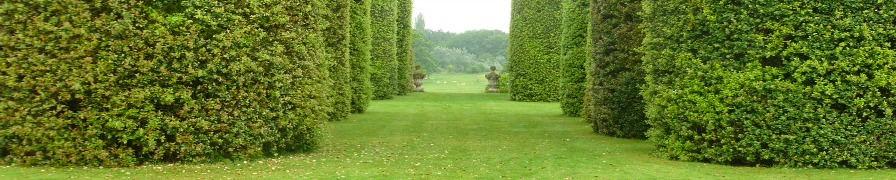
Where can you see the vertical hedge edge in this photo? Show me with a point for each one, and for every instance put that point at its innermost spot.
(574, 55)
(361, 42)
(534, 51)
(383, 14)
(616, 106)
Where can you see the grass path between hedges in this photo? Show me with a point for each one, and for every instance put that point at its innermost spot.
(438, 135)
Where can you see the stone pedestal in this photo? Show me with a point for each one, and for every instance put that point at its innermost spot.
(492, 81)
(491, 85)
(418, 84)
(418, 76)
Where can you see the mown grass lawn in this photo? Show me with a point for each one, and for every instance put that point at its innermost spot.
(437, 135)
(455, 83)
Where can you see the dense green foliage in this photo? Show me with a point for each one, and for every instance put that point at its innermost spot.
(383, 14)
(362, 89)
(472, 51)
(616, 106)
(404, 55)
(336, 36)
(574, 55)
(788, 83)
(533, 56)
(488, 44)
(116, 84)
(422, 47)
(454, 60)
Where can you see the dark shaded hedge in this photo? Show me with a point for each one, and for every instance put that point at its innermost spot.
(534, 50)
(784, 83)
(404, 54)
(616, 106)
(362, 90)
(336, 37)
(116, 83)
(574, 55)
(383, 14)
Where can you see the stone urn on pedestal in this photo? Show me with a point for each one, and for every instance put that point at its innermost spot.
(492, 81)
(418, 76)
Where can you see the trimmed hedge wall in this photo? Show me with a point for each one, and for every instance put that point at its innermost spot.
(404, 51)
(616, 105)
(574, 55)
(383, 14)
(784, 83)
(362, 90)
(534, 51)
(107, 83)
(336, 36)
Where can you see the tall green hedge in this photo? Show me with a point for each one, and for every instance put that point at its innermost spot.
(117, 84)
(534, 50)
(383, 14)
(785, 83)
(362, 90)
(404, 54)
(336, 36)
(574, 55)
(617, 108)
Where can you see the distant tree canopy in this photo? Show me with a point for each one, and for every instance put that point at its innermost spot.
(458, 59)
(419, 22)
(534, 50)
(472, 51)
(480, 42)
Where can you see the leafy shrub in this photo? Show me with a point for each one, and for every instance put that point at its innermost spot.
(383, 14)
(362, 89)
(785, 83)
(574, 47)
(117, 84)
(336, 36)
(616, 107)
(404, 56)
(533, 53)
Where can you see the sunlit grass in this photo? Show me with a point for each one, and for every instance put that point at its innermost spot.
(456, 136)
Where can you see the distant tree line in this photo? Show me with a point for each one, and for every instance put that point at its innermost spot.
(472, 51)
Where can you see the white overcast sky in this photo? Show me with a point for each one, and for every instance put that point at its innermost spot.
(463, 15)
